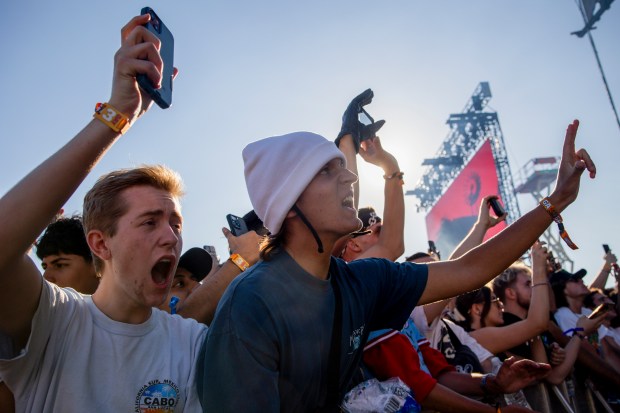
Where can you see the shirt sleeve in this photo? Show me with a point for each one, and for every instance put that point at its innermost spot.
(418, 316)
(54, 312)
(434, 359)
(565, 318)
(481, 352)
(394, 356)
(397, 288)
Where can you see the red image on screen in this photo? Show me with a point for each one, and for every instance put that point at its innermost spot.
(455, 213)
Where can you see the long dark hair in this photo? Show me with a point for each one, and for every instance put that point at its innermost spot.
(272, 244)
(464, 302)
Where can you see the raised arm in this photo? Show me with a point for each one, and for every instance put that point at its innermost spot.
(202, 302)
(477, 232)
(391, 243)
(498, 339)
(24, 212)
(353, 132)
(481, 264)
(601, 278)
(473, 238)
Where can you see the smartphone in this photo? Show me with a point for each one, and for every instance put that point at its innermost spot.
(163, 95)
(432, 248)
(237, 225)
(497, 207)
(606, 248)
(600, 310)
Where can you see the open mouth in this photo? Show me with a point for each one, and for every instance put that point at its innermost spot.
(161, 272)
(348, 202)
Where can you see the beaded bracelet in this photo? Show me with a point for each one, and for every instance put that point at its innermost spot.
(397, 174)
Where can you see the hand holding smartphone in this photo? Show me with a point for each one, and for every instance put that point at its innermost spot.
(432, 249)
(497, 207)
(600, 310)
(236, 224)
(163, 95)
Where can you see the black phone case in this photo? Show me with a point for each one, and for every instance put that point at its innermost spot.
(236, 224)
(498, 209)
(163, 95)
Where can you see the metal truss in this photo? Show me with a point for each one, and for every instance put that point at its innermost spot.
(468, 131)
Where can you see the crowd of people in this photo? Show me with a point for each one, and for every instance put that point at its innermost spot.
(310, 311)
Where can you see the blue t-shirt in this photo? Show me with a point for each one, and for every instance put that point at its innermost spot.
(267, 348)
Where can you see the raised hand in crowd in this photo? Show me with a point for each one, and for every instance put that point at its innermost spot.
(479, 265)
(351, 125)
(476, 234)
(133, 226)
(201, 304)
(610, 265)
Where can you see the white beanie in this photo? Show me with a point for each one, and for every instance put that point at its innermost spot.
(278, 170)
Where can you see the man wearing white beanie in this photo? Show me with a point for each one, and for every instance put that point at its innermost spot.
(271, 345)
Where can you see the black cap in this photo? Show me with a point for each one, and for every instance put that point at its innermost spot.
(197, 261)
(369, 217)
(562, 276)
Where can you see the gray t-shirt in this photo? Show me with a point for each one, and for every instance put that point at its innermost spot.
(79, 360)
(267, 349)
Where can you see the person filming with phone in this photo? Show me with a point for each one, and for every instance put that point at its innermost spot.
(62, 351)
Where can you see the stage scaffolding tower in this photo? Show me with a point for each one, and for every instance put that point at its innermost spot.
(468, 131)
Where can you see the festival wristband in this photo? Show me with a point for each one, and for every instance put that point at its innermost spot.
(557, 218)
(115, 120)
(575, 331)
(239, 262)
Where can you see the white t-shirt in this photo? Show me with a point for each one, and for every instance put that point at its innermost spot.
(433, 333)
(418, 316)
(79, 360)
(566, 320)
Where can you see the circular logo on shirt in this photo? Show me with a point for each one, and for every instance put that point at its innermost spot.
(157, 397)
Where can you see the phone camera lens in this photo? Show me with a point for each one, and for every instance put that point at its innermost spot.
(155, 23)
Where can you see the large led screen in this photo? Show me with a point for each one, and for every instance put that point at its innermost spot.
(455, 213)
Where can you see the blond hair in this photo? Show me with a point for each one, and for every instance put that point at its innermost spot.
(104, 203)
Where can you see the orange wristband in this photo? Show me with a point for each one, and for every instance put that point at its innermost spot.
(239, 262)
(115, 120)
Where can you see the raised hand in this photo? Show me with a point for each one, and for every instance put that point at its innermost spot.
(484, 216)
(246, 245)
(572, 165)
(351, 124)
(138, 54)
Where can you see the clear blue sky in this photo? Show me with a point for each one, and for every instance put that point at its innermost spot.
(254, 69)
